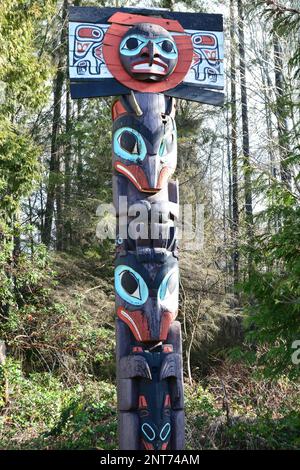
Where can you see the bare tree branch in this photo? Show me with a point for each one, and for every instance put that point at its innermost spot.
(281, 8)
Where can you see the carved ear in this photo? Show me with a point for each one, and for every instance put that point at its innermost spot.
(172, 369)
(173, 190)
(134, 366)
(170, 106)
(171, 366)
(130, 104)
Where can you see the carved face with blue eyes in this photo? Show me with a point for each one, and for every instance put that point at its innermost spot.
(154, 403)
(144, 148)
(147, 296)
(132, 288)
(148, 52)
(129, 144)
(130, 285)
(155, 438)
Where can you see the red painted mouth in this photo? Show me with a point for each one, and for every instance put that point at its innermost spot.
(147, 445)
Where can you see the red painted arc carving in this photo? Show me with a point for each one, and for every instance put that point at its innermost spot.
(139, 327)
(137, 323)
(117, 110)
(131, 19)
(137, 176)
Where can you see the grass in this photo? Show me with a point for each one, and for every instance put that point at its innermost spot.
(233, 410)
(239, 409)
(44, 413)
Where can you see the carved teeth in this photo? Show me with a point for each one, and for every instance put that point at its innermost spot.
(149, 68)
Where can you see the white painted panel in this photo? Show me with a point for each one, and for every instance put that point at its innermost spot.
(86, 59)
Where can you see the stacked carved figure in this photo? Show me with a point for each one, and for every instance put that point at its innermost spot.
(147, 59)
(149, 363)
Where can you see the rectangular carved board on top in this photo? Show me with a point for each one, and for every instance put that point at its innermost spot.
(100, 60)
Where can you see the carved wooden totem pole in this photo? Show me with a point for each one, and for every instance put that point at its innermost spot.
(147, 59)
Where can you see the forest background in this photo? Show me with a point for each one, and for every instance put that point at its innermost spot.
(239, 297)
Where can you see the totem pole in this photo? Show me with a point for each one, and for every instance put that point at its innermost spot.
(146, 58)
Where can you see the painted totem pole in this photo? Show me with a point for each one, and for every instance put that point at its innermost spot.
(147, 59)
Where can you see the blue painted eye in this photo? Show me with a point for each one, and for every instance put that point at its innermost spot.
(166, 148)
(148, 431)
(169, 285)
(130, 285)
(129, 144)
(132, 45)
(167, 48)
(164, 433)
(162, 149)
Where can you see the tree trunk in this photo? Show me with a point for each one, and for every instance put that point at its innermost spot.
(68, 156)
(79, 152)
(4, 384)
(54, 166)
(59, 211)
(234, 154)
(245, 127)
(282, 126)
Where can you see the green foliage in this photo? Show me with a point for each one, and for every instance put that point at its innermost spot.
(51, 332)
(241, 354)
(265, 433)
(201, 401)
(273, 288)
(23, 71)
(285, 18)
(44, 412)
(58, 396)
(23, 286)
(238, 409)
(90, 177)
(285, 21)
(24, 90)
(18, 163)
(92, 421)
(274, 292)
(23, 77)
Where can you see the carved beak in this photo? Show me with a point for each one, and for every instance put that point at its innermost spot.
(153, 170)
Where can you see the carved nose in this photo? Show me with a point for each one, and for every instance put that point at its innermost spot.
(153, 313)
(152, 170)
(149, 52)
(157, 446)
